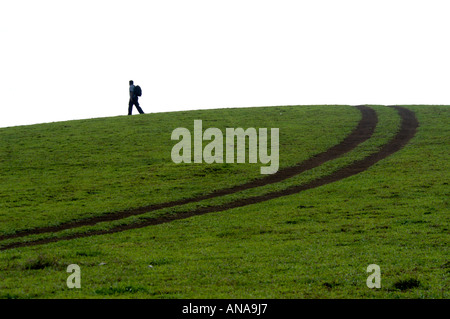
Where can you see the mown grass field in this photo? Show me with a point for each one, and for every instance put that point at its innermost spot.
(314, 244)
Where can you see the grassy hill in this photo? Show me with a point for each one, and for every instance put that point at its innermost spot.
(63, 184)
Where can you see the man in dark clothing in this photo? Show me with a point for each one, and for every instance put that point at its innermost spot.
(133, 100)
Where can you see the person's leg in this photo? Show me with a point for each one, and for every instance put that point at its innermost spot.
(130, 106)
(136, 102)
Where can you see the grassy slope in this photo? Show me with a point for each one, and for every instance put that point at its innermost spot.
(62, 171)
(314, 244)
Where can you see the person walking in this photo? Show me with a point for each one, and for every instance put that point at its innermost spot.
(133, 99)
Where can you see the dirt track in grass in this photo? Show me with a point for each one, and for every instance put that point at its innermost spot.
(361, 133)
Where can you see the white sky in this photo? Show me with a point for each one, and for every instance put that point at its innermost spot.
(62, 60)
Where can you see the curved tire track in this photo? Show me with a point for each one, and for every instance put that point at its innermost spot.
(361, 133)
(407, 131)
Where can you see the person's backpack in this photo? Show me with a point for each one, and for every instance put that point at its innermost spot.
(137, 90)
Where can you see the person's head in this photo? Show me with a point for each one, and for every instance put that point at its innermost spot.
(131, 82)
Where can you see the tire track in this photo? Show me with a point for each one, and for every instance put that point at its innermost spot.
(361, 133)
(408, 128)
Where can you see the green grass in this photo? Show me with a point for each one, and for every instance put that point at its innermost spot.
(315, 244)
(62, 171)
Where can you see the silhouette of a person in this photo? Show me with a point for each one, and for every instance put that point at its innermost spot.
(133, 100)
